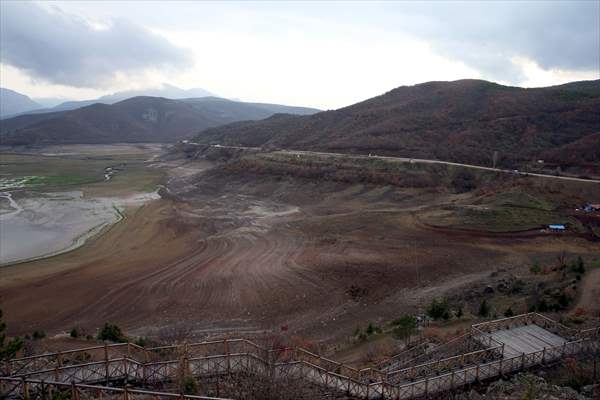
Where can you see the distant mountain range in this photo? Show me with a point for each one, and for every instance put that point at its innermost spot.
(137, 119)
(12, 102)
(464, 121)
(15, 108)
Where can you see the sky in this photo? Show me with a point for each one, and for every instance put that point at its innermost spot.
(314, 53)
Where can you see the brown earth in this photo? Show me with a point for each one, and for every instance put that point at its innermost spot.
(255, 253)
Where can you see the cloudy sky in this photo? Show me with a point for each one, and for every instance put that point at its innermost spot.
(320, 54)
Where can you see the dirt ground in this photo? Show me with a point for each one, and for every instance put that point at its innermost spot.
(590, 293)
(245, 254)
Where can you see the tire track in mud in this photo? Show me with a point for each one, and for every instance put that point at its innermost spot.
(236, 270)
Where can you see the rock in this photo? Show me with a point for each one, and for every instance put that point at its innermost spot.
(524, 384)
(488, 290)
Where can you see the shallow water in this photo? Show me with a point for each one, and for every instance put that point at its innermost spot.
(56, 222)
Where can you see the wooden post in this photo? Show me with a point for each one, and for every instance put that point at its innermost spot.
(523, 360)
(106, 368)
(181, 373)
(226, 348)
(43, 385)
(125, 394)
(25, 389)
(144, 375)
(126, 370)
(544, 356)
(426, 386)
(595, 365)
(59, 360)
(452, 381)
(349, 386)
(477, 373)
(73, 391)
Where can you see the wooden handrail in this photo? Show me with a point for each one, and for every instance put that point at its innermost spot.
(333, 371)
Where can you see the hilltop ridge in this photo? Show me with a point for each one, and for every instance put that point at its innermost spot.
(464, 121)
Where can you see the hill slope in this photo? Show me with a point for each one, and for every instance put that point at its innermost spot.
(464, 121)
(139, 119)
(12, 102)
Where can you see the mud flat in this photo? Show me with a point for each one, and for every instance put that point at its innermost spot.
(54, 223)
(53, 199)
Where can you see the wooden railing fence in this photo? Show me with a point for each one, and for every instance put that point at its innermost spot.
(145, 367)
(29, 389)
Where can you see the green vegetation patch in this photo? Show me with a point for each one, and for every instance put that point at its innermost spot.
(518, 199)
(59, 180)
(37, 172)
(501, 219)
(516, 210)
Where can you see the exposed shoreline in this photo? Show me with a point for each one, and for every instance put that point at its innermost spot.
(79, 240)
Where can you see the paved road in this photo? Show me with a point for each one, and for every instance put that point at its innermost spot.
(411, 160)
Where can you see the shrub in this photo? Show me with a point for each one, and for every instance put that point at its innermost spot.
(579, 311)
(579, 266)
(74, 334)
(190, 385)
(563, 300)
(37, 335)
(459, 312)
(464, 181)
(112, 333)
(370, 329)
(484, 309)
(8, 349)
(438, 309)
(61, 394)
(405, 327)
(509, 312)
(142, 341)
(535, 268)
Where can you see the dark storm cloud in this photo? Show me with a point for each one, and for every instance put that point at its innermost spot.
(65, 49)
(486, 35)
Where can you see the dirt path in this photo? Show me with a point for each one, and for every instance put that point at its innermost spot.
(418, 161)
(590, 292)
